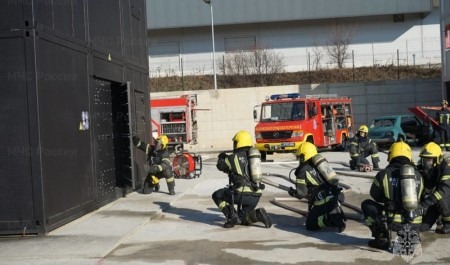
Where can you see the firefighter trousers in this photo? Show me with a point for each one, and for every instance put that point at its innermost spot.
(443, 135)
(441, 208)
(324, 215)
(245, 202)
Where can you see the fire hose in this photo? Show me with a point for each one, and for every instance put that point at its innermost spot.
(280, 201)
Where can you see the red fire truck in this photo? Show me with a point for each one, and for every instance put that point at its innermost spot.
(175, 117)
(286, 120)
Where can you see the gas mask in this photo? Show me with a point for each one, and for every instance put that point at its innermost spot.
(158, 146)
(428, 163)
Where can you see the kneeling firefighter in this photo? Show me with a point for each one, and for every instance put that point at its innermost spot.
(159, 162)
(395, 191)
(361, 147)
(435, 169)
(245, 188)
(318, 182)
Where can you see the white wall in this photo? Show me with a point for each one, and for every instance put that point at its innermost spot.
(227, 111)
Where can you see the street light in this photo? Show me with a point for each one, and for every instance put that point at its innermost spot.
(209, 2)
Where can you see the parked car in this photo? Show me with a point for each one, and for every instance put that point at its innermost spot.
(386, 130)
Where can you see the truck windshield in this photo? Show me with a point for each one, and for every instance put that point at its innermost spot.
(283, 111)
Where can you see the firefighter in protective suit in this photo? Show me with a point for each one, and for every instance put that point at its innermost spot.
(318, 182)
(443, 131)
(435, 201)
(361, 147)
(242, 190)
(389, 210)
(159, 162)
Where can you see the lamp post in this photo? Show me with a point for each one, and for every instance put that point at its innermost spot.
(209, 2)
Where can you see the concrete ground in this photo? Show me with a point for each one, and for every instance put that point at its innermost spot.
(187, 229)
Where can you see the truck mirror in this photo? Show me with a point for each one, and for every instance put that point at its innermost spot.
(255, 114)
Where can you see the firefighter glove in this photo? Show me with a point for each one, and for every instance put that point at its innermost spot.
(336, 190)
(420, 211)
(428, 201)
(222, 156)
(262, 186)
(136, 141)
(292, 192)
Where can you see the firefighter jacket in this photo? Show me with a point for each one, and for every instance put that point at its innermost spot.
(386, 189)
(158, 161)
(312, 185)
(359, 145)
(237, 167)
(436, 183)
(443, 117)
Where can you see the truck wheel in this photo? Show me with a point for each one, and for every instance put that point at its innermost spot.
(263, 156)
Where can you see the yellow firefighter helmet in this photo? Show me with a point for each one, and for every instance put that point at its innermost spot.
(242, 139)
(399, 149)
(363, 128)
(305, 151)
(431, 150)
(163, 140)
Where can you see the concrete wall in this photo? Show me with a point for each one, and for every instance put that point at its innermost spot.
(224, 112)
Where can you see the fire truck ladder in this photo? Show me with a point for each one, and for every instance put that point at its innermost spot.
(421, 114)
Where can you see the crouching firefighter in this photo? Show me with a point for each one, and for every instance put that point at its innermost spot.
(243, 167)
(396, 191)
(159, 164)
(318, 182)
(361, 147)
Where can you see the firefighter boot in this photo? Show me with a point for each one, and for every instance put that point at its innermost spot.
(375, 162)
(147, 188)
(171, 187)
(445, 229)
(352, 165)
(262, 216)
(336, 220)
(381, 240)
(259, 215)
(376, 166)
(232, 217)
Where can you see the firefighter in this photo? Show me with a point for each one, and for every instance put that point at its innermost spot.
(390, 210)
(361, 147)
(244, 191)
(435, 170)
(317, 181)
(159, 162)
(443, 131)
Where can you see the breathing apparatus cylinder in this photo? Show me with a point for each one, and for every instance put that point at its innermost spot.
(255, 165)
(409, 191)
(325, 169)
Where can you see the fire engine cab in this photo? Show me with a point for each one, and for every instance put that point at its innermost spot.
(287, 120)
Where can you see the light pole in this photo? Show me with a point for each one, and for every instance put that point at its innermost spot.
(209, 2)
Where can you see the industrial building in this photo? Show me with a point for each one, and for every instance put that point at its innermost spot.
(382, 32)
(445, 35)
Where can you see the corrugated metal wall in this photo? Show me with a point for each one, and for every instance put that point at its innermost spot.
(194, 13)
